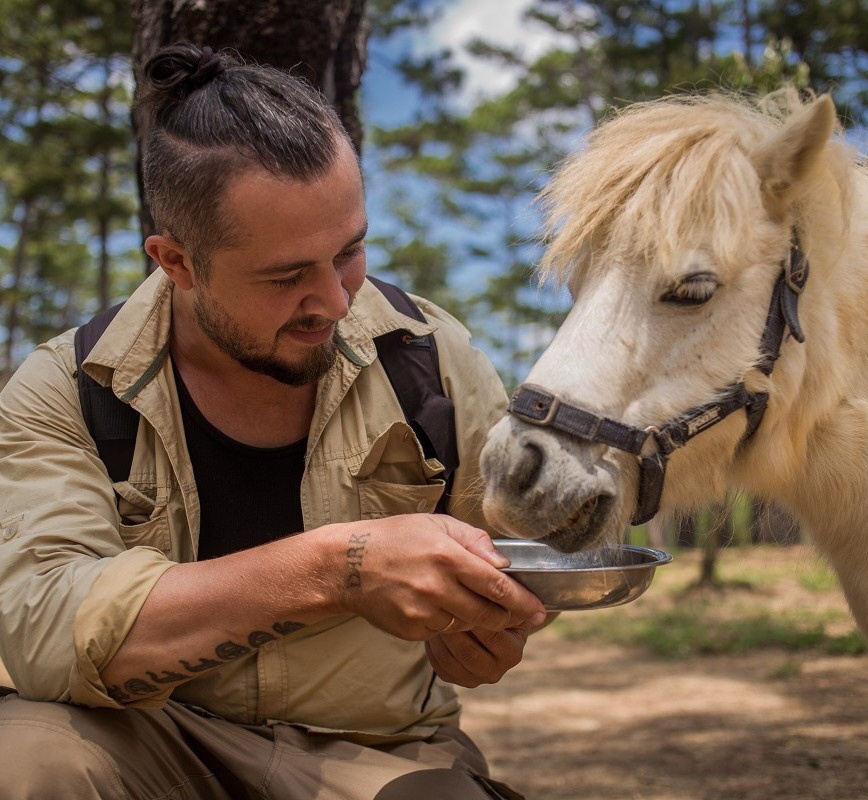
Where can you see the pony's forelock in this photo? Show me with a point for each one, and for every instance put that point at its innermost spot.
(655, 175)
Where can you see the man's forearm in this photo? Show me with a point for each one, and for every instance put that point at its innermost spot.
(407, 575)
(204, 614)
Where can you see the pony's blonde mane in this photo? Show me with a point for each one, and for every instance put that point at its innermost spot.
(653, 175)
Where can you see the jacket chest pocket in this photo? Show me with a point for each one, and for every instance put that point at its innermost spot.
(396, 478)
(144, 520)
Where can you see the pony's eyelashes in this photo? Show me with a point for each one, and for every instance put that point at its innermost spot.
(692, 290)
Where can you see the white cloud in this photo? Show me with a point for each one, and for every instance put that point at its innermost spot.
(499, 22)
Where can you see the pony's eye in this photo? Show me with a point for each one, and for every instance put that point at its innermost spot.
(693, 290)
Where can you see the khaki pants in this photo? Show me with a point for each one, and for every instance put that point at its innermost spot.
(54, 751)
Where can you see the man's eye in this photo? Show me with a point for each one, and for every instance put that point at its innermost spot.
(354, 251)
(694, 290)
(292, 280)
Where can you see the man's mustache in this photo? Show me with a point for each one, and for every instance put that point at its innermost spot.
(311, 323)
(306, 324)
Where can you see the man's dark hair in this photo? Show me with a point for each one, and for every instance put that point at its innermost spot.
(213, 116)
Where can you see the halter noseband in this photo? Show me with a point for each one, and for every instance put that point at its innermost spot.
(653, 445)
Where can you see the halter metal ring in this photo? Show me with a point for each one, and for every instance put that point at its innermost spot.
(651, 439)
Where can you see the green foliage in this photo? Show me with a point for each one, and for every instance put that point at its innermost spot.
(65, 163)
(832, 38)
(462, 178)
(415, 261)
(684, 632)
(388, 17)
(484, 164)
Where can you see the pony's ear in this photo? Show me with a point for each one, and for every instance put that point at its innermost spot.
(788, 157)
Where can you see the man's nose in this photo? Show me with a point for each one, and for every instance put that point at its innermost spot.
(328, 297)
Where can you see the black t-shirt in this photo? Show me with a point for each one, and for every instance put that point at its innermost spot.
(248, 495)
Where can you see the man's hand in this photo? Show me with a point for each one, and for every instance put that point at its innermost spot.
(470, 658)
(420, 575)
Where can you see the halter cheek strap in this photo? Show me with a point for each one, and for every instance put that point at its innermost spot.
(784, 308)
(653, 445)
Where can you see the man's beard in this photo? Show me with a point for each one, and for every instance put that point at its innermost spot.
(221, 329)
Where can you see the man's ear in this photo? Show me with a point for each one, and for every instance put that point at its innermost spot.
(172, 257)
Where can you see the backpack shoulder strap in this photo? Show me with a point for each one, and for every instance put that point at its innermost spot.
(112, 423)
(410, 362)
(413, 369)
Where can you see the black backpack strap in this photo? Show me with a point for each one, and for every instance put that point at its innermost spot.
(410, 363)
(112, 423)
(413, 369)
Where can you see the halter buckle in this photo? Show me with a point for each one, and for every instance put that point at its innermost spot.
(550, 413)
(650, 439)
(534, 405)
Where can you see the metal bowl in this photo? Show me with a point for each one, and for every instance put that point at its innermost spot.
(601, 578)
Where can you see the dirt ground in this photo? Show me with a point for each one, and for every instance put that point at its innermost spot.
(606, 722)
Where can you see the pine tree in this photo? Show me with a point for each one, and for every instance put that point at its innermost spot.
(63, 155)
(481, 167)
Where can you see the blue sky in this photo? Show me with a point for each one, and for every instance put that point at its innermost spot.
(387, 102)
(459, 21)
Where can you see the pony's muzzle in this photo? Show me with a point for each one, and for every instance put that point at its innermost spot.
(541, 487)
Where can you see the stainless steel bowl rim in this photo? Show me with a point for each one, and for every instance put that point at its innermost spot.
(657, 558)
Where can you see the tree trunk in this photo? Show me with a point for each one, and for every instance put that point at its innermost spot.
(772, 525)
(747, 42)
(687, 530)
(322, 40)
(719, 535)
(103, 223)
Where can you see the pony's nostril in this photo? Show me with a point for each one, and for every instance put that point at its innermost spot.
(525, 467)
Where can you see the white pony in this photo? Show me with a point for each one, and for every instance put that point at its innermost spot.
(700, 353)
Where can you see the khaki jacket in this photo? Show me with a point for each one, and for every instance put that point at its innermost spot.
(78, 555)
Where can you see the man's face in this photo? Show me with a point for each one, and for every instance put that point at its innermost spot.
(271, 302)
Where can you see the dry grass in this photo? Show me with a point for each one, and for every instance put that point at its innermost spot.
(599, 710)
(765, 597)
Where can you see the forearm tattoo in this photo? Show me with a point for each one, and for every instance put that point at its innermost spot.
(224, 652)
(355, 556)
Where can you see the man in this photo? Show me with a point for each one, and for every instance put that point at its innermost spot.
(166, 634)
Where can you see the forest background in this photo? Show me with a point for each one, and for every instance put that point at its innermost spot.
(460, 109)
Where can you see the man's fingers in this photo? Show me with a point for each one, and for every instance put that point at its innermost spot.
(485, 549)
(479, 543)
(492, 584)
(477, 656)
(503, 595)
(447, 667)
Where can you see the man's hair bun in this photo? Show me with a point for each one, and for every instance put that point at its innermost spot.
(208, 116)
(182, 68)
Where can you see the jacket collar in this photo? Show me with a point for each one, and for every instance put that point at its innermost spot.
(372, 315)
(136, 342)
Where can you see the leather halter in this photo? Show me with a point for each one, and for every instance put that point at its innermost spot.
(653, 445)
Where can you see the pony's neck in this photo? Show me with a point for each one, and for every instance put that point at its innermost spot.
(811, 450)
